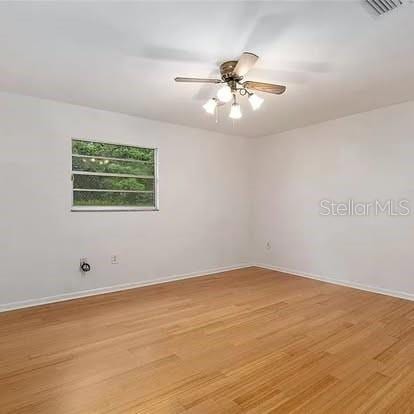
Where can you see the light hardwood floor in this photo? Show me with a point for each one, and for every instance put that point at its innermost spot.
(245, 341)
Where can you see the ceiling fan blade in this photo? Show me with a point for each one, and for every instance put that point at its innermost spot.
(265, 87)
(245, 63)
(198, 80)
(205, 91)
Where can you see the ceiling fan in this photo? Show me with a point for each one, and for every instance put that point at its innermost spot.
(232, 75)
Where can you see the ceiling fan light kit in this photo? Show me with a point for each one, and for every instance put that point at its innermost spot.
(232, 73)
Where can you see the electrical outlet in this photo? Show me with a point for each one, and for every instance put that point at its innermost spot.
(268, 245)
(114, 259)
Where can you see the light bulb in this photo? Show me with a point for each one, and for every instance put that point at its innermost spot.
(235, 112)
(210, 106)
(255, 101)
(225, 94)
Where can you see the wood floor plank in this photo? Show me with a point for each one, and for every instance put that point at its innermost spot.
(245, 341)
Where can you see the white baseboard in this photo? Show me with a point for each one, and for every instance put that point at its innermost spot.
(347, 283)
(116, 288)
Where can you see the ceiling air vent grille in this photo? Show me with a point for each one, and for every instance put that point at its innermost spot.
(384, 6)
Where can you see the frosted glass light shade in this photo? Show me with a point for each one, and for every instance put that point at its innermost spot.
(225, 94)
(210, 106)
(255, 101)
(235, 112)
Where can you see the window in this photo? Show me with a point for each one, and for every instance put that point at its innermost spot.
(113, 177)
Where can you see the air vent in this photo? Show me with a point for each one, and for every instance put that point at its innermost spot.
(384, 6)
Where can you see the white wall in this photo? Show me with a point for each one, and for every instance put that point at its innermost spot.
(365, 157)
(221, 199)
(204, 203)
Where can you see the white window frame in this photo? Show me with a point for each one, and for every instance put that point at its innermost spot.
(114, 208)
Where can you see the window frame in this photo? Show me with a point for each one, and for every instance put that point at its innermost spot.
(75, 208)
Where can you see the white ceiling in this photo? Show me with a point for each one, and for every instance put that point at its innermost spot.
(335, 57)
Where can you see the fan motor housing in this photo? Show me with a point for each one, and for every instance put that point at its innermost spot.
(226, 70)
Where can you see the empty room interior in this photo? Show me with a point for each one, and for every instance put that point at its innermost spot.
(207, 207)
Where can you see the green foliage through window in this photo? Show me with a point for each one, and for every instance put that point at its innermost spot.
(109, 175)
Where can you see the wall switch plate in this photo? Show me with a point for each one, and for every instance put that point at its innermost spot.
(268, 245)
(114, 259)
